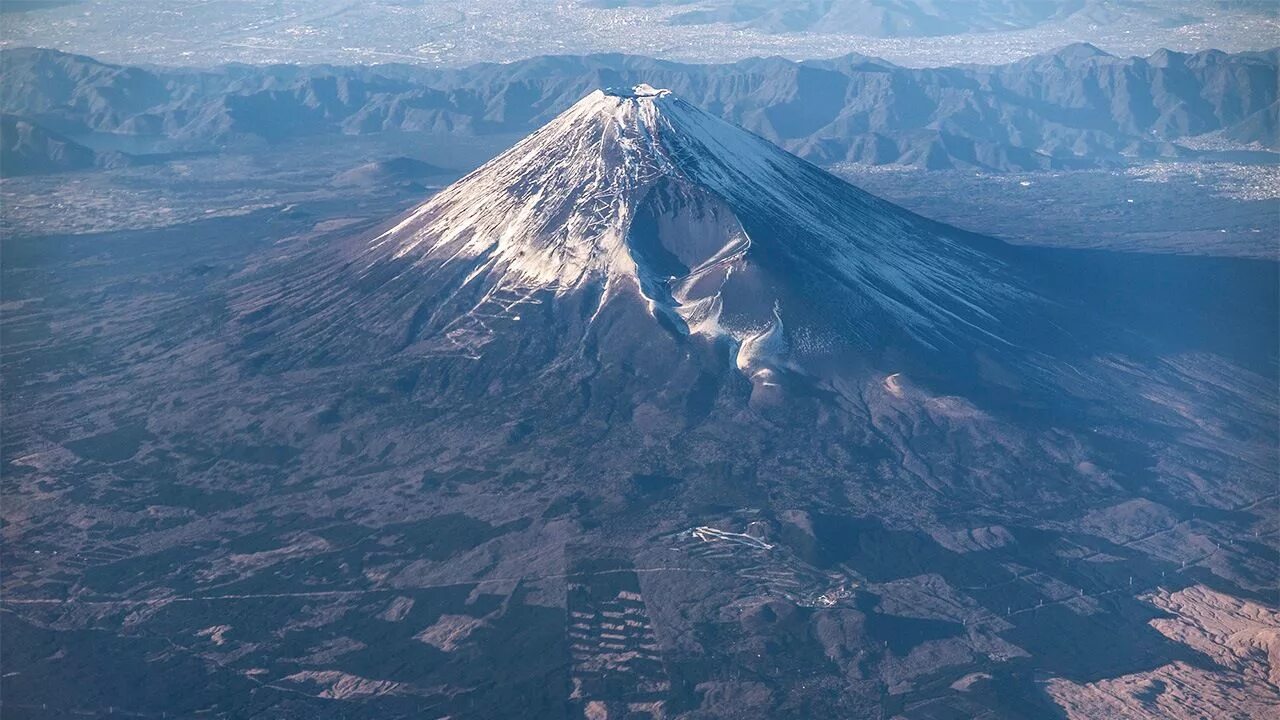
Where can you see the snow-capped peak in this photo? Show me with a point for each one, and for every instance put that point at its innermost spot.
(551, 211)
(635, 190)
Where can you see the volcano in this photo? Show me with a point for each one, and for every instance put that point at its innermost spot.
(638, 275)
(635, 204)
(703, 353)
(638, 193)
(647, 418)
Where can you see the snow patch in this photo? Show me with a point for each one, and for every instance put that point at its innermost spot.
(764, 351)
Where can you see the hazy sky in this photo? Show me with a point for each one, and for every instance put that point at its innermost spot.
(453, 32)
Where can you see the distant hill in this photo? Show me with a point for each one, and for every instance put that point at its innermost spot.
(883, 18)
(28, 149)
(399, 171)
(1076, 107)
(1260, 127)
(922, 18)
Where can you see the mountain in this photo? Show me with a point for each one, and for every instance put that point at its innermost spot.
(644, 417)
(654, 319)
(1078, 107)
(638, 265)
(398, 171)
(714, 230)
(28, 149)
(1263, 124)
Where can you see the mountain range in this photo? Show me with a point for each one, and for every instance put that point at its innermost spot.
(1074, 108)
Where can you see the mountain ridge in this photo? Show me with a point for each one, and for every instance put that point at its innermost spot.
(1058, 111)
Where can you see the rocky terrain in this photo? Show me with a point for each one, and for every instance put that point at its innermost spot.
(1240, 637)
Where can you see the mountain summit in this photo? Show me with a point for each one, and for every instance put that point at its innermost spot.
(635, 194)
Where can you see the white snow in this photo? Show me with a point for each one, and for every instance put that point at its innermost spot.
(765, 348)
